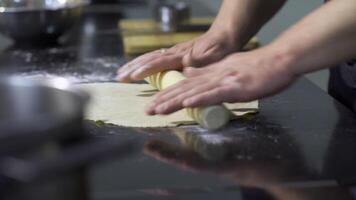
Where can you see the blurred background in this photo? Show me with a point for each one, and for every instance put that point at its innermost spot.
(290, 13)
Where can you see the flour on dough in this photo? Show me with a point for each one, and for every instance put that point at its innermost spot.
(123, 104)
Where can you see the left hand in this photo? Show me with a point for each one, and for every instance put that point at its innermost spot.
(239, 77)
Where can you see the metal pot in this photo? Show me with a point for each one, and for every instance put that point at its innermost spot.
(34, 111)
(38, 20)
(44, 149)
(171, 16)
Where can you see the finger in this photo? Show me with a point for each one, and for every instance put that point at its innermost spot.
(181, 86)
(124, 74)
(193, 86)
(151, 108)
(192, 72)
(170, 62)
(174, 101)
(138, 59)
(177, 88)
(147, 62)
(212, 97)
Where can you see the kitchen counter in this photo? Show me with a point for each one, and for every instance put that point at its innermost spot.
(302, 142)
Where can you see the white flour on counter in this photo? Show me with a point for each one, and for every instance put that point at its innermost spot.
(74, 78)
(88, 70)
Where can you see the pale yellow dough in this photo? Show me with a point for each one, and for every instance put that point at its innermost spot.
(123, 104)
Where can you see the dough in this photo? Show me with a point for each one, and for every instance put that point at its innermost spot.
(123, 104)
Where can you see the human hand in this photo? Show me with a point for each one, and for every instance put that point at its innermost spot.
(209, 47)
(239, 77)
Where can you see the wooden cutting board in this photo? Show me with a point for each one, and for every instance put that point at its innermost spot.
(142, 35)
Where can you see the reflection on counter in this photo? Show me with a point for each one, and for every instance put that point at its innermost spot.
(262, 167)
(250, 160)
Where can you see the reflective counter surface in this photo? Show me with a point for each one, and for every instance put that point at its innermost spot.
(301, 145)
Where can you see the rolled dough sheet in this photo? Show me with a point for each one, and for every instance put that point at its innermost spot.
(123, 104)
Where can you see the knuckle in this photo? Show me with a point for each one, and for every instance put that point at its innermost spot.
(197, 100)
(172, 103)
(146, 67)
(163, 60)
(195, 58)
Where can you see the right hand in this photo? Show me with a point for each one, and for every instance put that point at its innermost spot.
(201, 51)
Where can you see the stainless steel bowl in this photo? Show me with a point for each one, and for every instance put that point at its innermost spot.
(36, 20)
(44, 146)
(32, 111)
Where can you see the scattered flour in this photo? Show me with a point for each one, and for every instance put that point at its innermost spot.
(72, 77)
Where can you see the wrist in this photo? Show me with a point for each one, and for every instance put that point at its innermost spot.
(227, 35)
(282, 59)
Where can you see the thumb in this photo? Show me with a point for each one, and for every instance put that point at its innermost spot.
(191, 71)
(195, 59)
(188, 60)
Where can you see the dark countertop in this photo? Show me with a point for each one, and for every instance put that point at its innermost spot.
(302, 142)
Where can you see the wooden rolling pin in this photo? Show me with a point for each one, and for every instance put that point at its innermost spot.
(210, 117)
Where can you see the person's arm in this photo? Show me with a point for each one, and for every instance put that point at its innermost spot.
(323, 39)
(236, 23)
(242, 19)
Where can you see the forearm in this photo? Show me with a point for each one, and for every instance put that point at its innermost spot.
(323, 39)
(242, 19)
